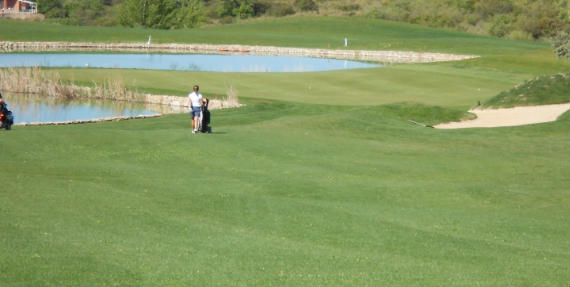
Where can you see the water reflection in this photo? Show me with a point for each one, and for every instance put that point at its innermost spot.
(188, 62)
(34, 109)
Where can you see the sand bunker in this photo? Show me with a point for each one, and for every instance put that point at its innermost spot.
(490, 118)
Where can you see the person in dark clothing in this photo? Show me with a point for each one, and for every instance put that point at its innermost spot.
(6, 118)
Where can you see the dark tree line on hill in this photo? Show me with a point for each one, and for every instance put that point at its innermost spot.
(516, 19)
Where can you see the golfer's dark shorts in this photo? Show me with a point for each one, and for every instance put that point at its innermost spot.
(195, 112)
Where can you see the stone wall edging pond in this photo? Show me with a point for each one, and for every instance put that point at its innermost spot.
(362, 55)
(88, 121)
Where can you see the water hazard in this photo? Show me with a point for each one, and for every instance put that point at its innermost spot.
(39, 109)
(181, 62)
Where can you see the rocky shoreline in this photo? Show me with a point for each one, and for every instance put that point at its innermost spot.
(88, 121)
(361, 55)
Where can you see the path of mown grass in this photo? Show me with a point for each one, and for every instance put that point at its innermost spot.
(302, 191)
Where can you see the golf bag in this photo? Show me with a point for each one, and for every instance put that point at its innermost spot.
(204, 120)
(6, 120)
(6, 117)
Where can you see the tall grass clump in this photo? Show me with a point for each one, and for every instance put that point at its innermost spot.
(115, 90)
(35, 81)
(48, 83)
(231, 100)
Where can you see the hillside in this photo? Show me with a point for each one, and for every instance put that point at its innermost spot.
(515, 19)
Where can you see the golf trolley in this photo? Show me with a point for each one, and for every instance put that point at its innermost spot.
(6, 117)
(204, 120)
(6, 120)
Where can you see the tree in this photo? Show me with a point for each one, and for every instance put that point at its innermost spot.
(51, 8)
(191, 14)
(83, 12)
(542, 19)
(162, 14)
(236, 8)
(133, 12)
(245, 10)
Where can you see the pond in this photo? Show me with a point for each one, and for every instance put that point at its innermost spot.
(182, 62)
(40, 109)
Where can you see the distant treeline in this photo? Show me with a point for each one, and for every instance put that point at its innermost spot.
(517, 19)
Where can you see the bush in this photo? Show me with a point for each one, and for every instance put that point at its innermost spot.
(520, 35)
(83, 12)
(51, 8)
(434, 13)
(226, 20)
(561, 45)
(260, 7)
(489, 8)
(306, 5)
(245, 10)
(395, 11)
(500, 25)
(348, 7)
(242, 9)
(543, 18)
(280, 10)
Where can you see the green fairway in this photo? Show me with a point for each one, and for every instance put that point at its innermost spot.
(321, 179)
(286, 195)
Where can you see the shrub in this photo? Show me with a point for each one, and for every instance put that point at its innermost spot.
(306, 5)
(348, 7)
(434, 13)
(51, 8)
(500, 25)
(489, 8)
(280, 9)
(561, 45)
(245, 10)
(83, 12)
(520, 35)
(260, 7)
(226, 20)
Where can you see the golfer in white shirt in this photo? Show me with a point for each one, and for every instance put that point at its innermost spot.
(195, 103)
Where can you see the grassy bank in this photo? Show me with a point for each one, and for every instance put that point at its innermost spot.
(545, 90)
(320, 180)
